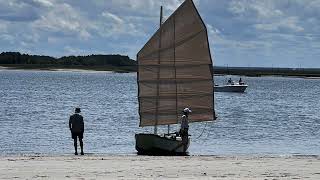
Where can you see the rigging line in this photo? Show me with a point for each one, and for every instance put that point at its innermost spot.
(202, 131)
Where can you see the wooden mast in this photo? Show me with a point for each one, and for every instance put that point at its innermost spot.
(158, 75)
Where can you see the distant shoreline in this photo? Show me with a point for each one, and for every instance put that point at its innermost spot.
(96, 62)
(123, 64)
(308, 73)
(268, 71)
(65, 68)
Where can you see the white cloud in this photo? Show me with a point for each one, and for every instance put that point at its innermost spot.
(52, 40)
(72, 51)
(7, 38)
(45, 3)
(146, 6)
(267, 15)
(113, 25)
(218, 39)
(289, 23)
(24, 44)
(16, 10)
(242, 28)
(214, 34)
(141, 8)
(112, 17)
(63, 18)
(3, 27)
(306, 7)
(260, 9)
(76, 51)
(31, 37)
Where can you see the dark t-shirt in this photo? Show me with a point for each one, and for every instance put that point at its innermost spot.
(76, 123)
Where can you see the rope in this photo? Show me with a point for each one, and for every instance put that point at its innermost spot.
(202, 131)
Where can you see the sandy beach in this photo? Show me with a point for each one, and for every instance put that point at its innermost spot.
(55, 69)
(150, 167)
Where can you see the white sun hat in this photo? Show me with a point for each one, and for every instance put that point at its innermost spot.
(187, 110)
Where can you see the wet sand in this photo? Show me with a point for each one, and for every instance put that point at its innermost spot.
(150, 167)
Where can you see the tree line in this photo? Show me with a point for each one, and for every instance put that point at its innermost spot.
(12, 58)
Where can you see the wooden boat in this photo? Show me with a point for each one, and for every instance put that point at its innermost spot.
(174, 71)
(154, 144)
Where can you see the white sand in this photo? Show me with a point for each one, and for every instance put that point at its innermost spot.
(2, 67)
(150, 167)
(80, 70)
(55, 69)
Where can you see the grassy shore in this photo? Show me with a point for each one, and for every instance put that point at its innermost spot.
(265, 71)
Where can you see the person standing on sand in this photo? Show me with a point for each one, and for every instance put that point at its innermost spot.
(76, 126)
(185, 127)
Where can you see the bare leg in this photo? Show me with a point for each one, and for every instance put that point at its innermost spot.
(81, 146)
(75, 146)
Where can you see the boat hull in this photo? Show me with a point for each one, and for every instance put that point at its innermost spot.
(231, 88)
(151, 144)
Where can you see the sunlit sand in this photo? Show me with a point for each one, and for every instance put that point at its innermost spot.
(164, 167)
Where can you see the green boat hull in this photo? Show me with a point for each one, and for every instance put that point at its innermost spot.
(151, 144)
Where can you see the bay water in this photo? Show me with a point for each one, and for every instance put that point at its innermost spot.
(276, 115)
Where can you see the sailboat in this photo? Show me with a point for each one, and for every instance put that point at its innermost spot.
(175, 71)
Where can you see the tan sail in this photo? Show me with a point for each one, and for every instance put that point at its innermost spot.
(175, 71)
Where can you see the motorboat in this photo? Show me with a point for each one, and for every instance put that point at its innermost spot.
(231, 87)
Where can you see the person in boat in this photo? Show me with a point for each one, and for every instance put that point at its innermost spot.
(185, 126)
(229, 81)
(241, 82)
(76, 126)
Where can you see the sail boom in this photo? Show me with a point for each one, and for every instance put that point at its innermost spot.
(173, 123)
(149, 122)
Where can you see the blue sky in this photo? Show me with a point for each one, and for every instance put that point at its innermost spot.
(266, 33)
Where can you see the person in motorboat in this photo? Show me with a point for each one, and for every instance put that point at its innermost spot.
(185, 126)
(241, 82)
(229, 81)
(76, 126)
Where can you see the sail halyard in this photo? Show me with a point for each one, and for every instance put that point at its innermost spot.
(175, 71)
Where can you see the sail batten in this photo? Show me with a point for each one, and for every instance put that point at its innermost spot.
(175, 71)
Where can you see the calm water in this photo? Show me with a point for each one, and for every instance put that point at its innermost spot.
(277, 116)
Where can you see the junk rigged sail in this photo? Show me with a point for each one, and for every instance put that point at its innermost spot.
(175, 71)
